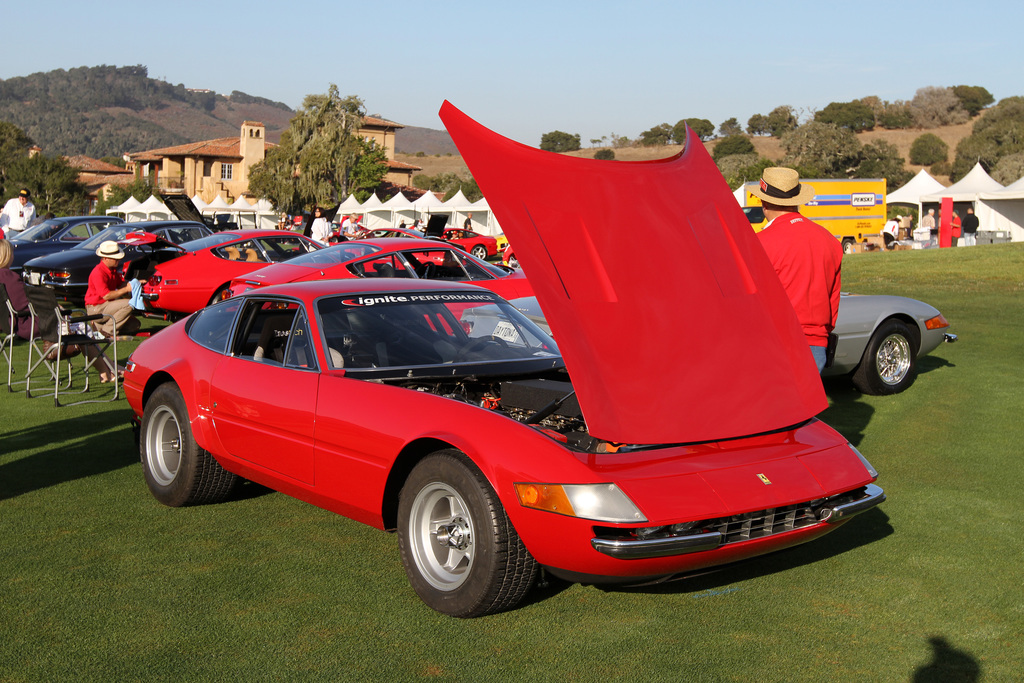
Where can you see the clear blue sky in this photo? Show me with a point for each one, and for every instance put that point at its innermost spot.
(525, 68)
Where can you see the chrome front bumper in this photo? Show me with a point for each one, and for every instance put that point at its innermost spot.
(680, 545)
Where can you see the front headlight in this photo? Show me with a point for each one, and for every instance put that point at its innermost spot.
(600, 502)
(871, 470)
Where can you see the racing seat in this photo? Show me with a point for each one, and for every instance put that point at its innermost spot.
(232, 253)
(274, 339)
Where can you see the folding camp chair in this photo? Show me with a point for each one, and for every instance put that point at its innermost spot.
(63, 329)
(7, 323)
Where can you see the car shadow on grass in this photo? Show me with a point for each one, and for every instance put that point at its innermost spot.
(847, 413)
(60, 455)
(867, 528)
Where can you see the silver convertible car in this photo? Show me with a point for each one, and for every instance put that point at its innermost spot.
(879, 341)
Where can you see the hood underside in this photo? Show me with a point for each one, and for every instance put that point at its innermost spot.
(670, 318)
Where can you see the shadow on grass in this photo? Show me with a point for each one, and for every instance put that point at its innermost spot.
(929, 363)
(66, 459)
(948, 664)
(867, 528)
(847, 413)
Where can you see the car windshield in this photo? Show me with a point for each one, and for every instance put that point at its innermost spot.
(208, 241)
(114, 232)
(40, 232)
(332, 256)
(429, 334)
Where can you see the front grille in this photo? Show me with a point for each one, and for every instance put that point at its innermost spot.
(739, 528)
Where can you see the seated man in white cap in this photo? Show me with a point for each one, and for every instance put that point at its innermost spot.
(806, 256)
(108, 292)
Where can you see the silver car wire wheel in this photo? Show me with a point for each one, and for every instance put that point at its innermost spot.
(893, 359)
(163, 446)
(441, 536)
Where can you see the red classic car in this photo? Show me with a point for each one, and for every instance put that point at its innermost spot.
(637, 449)
(183, 280)
(389, 257)
(481, 246)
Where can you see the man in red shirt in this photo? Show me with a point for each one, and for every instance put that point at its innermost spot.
(806, 256)
(108, 292)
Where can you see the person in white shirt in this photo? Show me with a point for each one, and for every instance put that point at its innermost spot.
(321, 228)
(17, 213)
(351, 227)
(891, 231)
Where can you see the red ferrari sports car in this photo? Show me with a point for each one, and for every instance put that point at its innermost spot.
(389, 257)
(183, 280)
(636, 449)
(481, 246)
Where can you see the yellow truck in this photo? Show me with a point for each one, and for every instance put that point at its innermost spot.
(852, 210)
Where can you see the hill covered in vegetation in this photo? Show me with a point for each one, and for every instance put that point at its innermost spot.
(108, 110)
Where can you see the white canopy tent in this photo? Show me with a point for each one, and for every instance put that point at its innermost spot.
(199, 203)
(375, 215)
(125, 208)
(967, 188)
(484, 221)
(151, 210)
(921, 184)
(401, 209)
(266, 215)
(244, 213)
(1003, 210)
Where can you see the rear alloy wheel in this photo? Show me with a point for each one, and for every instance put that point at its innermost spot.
(460, 551)
(178, 472)
(480, 251)
(888, 363)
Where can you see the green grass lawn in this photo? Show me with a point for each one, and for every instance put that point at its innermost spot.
(99, 582)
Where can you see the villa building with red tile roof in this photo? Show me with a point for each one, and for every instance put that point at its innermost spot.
(221, 166)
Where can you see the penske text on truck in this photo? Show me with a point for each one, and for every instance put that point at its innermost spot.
(849, 209)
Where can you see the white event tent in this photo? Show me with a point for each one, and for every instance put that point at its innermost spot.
(967, 188)
(921, 184)
(1003, 210)
(125, 207)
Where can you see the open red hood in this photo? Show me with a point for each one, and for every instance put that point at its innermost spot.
(670, 318)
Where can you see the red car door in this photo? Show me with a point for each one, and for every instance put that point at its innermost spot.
(264, 394)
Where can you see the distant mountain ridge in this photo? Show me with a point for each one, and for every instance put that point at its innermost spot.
(108, 110)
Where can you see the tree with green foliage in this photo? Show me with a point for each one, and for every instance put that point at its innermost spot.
(998, 133)
(53, 183)
(658, 135)
(881, 159)
(703, 128)
(368, 170)
(732, 144)
(730, 127)
(449, 184)
(927, 149)
(741, 168)
(1009, 169)
(973, 98)
(758, 125)
(821, 150)
(141, 188)
(316, 157)
(604, 154)
(855, 115)
(14, 145)
(559, 141)
(933, 107)
(781, 120)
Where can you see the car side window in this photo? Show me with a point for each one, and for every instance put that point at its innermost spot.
(264, 329)
(79, 233)
(283, 248)
(386, 265)
(211, 326)
(241, 251)
(300, 353)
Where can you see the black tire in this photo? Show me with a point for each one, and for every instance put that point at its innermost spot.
(888, 364)
(218, 296)
(178, 472)
(848, 245)
(462, 555)
(480, 251)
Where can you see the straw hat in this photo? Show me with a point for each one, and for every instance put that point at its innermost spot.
(782, 186)
(109, 249)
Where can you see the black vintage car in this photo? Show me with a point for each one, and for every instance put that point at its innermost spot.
(67, 272)
(56, 234)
